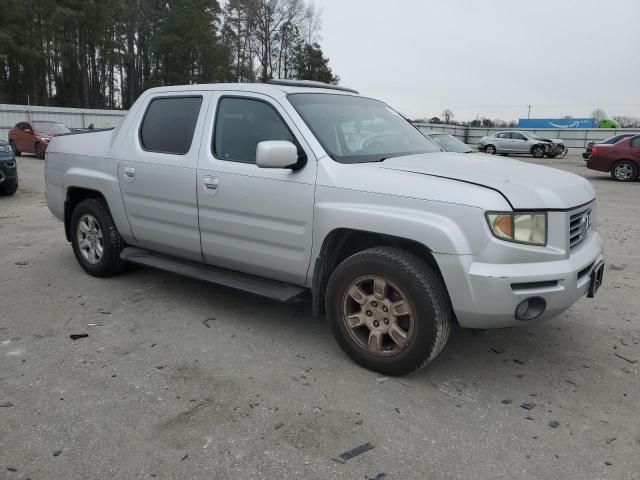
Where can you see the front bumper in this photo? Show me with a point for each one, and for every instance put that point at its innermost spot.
(486, 295)
(8, 174)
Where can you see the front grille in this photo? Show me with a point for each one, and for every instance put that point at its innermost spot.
(579, 227)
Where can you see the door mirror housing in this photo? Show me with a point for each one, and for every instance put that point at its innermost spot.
(277, 154)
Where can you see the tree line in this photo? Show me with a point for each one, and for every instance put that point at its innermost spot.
(105, 53)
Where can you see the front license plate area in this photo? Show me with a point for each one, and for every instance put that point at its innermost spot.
(596, 279)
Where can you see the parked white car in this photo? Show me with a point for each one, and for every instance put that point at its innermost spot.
(521, 142)
(257, 187)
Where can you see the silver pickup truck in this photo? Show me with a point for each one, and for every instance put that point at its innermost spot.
(290, 188)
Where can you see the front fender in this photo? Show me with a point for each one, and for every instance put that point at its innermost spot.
(441, 227)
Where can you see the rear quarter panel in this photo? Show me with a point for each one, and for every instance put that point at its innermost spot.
(83, 161)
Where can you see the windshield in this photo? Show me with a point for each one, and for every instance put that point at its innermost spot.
(50, 127)
(449, 143)
(355, 129)
(533, 136)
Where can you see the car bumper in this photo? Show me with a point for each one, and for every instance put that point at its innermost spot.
(487, 295)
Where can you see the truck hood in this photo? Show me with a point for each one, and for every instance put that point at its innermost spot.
(525, 186)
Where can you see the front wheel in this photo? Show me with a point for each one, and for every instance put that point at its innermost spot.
(537, 151)
(14, 147)
(388, 310)
(624, 171)
(95, 239)
(490, 149)
(39, 149)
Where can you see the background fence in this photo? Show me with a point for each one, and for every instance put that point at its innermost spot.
(572, 137)
(72, 117)
(83, 117)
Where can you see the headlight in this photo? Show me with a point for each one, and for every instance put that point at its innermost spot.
(528, 228)
(5, 148)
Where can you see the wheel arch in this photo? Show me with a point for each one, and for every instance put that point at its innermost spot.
(341, 243)
(74, 196)
(543, 145)
(625, 159)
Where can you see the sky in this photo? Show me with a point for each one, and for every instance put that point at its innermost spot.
(488, 58)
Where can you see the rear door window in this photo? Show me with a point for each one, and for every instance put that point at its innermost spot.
(169, 123)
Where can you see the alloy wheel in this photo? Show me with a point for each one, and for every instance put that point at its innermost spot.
(90, 241)
(623, 171)
(378, 315)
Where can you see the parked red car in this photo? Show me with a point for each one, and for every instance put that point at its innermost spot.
(34, 137)
(621, 159)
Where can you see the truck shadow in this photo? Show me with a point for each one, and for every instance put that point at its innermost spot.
(481, 358)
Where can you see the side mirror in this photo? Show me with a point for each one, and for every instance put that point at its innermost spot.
(276, 154)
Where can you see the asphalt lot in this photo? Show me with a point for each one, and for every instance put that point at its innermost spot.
(179, 379)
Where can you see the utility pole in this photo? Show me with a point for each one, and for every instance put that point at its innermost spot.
(529, 111)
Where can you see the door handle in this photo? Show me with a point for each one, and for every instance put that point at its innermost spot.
(129, 172)
(211, 183)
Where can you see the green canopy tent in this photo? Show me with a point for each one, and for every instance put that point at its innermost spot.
(608, 123)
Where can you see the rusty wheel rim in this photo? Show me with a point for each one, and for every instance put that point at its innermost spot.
(378, 315)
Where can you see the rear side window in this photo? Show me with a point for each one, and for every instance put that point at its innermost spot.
(241, 124)
(635, 142)
(169, 123)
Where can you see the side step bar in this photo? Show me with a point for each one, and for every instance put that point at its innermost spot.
(283, 292)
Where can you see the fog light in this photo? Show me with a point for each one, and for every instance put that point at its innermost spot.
(531, 308)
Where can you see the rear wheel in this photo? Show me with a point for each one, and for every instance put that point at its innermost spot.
(95, 239)
(389, 310)
(624, 171)
(490, 149)
(14, 147)
(39, 149)
(537, 151)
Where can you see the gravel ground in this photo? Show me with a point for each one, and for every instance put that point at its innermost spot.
(179, 379)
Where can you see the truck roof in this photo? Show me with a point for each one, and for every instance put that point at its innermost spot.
(274, 86)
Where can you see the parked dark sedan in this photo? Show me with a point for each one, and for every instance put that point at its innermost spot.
(622, 159)
(609, 141)
(8, 170)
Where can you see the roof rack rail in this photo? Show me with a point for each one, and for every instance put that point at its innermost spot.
(310, 84)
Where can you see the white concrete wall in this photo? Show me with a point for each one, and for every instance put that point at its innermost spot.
(72, 117)
(572, 137)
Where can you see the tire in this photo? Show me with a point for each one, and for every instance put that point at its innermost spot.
(490, 149)
(14, 147)
(39, 151)
(624, 171)
(424, 316)
(7, 189)
(537, 151)
(84, 219)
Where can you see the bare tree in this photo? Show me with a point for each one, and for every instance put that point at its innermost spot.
(447, 115)
(271, 17)
(599, 114)
(627, 122)
(312, 23)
